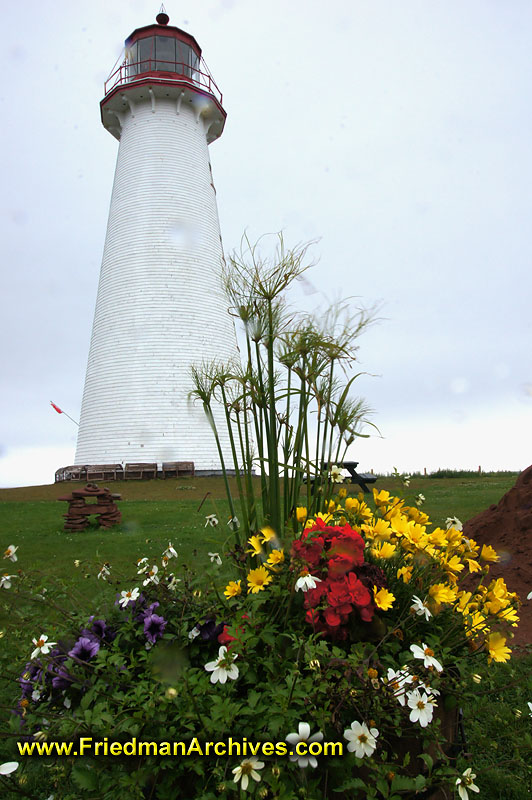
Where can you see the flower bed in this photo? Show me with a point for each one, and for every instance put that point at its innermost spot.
(355, 630)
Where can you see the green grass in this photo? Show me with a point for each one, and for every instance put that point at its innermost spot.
(160, 511)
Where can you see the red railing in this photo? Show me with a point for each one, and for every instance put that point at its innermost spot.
(129, 72)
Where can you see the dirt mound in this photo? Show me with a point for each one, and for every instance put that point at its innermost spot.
(507, 526)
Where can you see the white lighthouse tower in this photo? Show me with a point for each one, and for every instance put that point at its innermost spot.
(160, 306)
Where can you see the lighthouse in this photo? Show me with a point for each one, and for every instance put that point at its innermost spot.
(160, 306)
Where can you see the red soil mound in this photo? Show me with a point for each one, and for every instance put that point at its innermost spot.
(507, 526)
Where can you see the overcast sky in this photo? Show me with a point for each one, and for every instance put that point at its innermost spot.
(396, 132)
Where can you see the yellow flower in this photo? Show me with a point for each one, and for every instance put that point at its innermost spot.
(417, 515)
(380, 530)
(256, 548)
(385, 550)
(342, 494)
(359, 508)
(488, 553)
(476, 623)
(498, 589)
(465, 597)
(509, 614)
(258, 579)
(301, 513)
(405, 573)
(442, 593)
(268, 534)
(383, 598)
(332, 506)
(276, 557)
(454, 564)
(473, 565)
(325, 517)
(438, 537)
(496, 646)
(381, 498)
(233, 589)
(415, 534)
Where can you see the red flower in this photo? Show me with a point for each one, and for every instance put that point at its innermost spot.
(308, 550)
(313, 596)
(332, 618)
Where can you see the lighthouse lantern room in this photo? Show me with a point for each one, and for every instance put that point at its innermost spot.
(160, 306)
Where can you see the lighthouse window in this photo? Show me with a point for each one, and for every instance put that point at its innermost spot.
(165, 54)
(187, 60)
(146, 54)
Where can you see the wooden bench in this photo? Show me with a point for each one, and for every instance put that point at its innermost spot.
(105, 472)
(362, 478)
(174, 469)
(140, 471)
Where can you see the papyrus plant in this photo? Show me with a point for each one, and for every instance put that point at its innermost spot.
(288, 408)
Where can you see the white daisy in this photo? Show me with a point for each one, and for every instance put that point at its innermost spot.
(420, 608)
(465, 783)
(247, 768)
(223, 667)
(306, 582)
(152, 576)
(8, 767)
(42, 645)
(104, 572)
(172, 583)
(233, 523)
(10, 553)
(530, 707)
(170, 552)
(420, 499)
(427, 655)
(128, 597)
(193, 633)
(5, 581)
(422, 707)
(303, 735)
(212, 520)
(453, 522)
(336, 475)
(362, 740)
(142, 563)
(397, 680)
(215, 558)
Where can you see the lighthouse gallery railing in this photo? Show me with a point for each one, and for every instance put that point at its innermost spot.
(173, 71)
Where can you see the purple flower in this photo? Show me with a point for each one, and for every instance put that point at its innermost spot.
(102, 631)
(32, 674)
(84, 649)
(149, 611)
(61, 679)
(209, 630)
(154, 626)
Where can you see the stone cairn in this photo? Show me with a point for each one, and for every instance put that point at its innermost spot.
(79, 510)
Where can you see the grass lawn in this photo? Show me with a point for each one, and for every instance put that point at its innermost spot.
(156, 512)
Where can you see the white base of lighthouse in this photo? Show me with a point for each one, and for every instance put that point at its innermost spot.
(160, 306)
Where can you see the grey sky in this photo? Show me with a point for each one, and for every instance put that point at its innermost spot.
(398, 133)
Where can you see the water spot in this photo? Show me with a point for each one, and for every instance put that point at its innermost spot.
(184, 235)
(459, 385)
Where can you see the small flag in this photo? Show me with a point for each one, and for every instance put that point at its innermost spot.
(59, 411)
